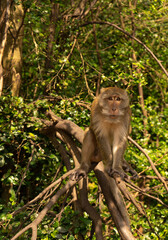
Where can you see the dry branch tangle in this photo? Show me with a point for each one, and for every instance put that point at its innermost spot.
(67, 131)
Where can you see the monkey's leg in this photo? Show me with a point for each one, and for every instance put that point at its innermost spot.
(88, 150)
(118, 155)
(106, 153)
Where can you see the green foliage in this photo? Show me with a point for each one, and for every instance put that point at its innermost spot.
(20, 144)
(63, 87)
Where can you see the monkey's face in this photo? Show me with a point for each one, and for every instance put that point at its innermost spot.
(113, 103)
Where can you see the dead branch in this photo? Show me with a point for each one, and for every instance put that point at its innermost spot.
(86, 206)
(39, 196)
(24, 174)
(65, 125)
(42, 214)
(121, 185)
(68, 133)
(120, 216)
(129, 35)
(84, 71)
(150, 161)
(137, 189)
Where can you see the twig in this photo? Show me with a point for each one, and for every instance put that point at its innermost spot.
(42, 214)
(150, 161)
(98, 56)
(39, 196)
(156, 163)
(129, 35)
(24, 174)
(66, 59)
(85, 77)
(136, 188)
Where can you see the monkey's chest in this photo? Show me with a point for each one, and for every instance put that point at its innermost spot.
(116, 134)
(111, 133)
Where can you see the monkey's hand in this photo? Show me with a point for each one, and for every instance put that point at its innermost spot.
(78, 173)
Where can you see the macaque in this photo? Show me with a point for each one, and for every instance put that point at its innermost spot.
(106, 137)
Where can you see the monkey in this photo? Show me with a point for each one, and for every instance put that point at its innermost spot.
(106, 137)
(105, 140)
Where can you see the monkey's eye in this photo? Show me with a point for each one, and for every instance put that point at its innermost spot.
(118, 99)
(110, 98)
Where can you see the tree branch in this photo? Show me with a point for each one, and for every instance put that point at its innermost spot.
(150, 161)
(39, 196)
(42, 214)
(129, 35)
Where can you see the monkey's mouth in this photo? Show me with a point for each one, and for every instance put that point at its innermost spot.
(113, 116)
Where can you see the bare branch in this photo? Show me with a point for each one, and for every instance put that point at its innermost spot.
(42, 214)
(150, 161)
(84, 71)
(64, 62)
(129, 35)
(39, 196)
(65, 125)
(110, 191)
(126, 193)
(136, 188)
(24, 174)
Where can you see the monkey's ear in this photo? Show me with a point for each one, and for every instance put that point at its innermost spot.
(102, 90)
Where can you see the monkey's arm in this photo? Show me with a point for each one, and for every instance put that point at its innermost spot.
(88, 150)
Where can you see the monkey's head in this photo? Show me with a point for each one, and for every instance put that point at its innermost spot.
(114, 103)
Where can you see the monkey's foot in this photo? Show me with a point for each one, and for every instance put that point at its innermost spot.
(135, 176)
(77, 174)
(130, 170)
(115, 173)
(133, 173)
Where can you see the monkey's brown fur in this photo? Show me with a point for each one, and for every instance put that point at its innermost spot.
(106, 137)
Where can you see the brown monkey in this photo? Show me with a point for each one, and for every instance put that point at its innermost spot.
(107, 135)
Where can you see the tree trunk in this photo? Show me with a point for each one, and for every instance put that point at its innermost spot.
(52, 27)
(5, 12)
(12, 58)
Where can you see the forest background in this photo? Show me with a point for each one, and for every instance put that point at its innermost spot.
(54, 58)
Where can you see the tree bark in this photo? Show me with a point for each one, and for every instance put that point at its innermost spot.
(12, 58)
(53, 17)
(4, 38)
